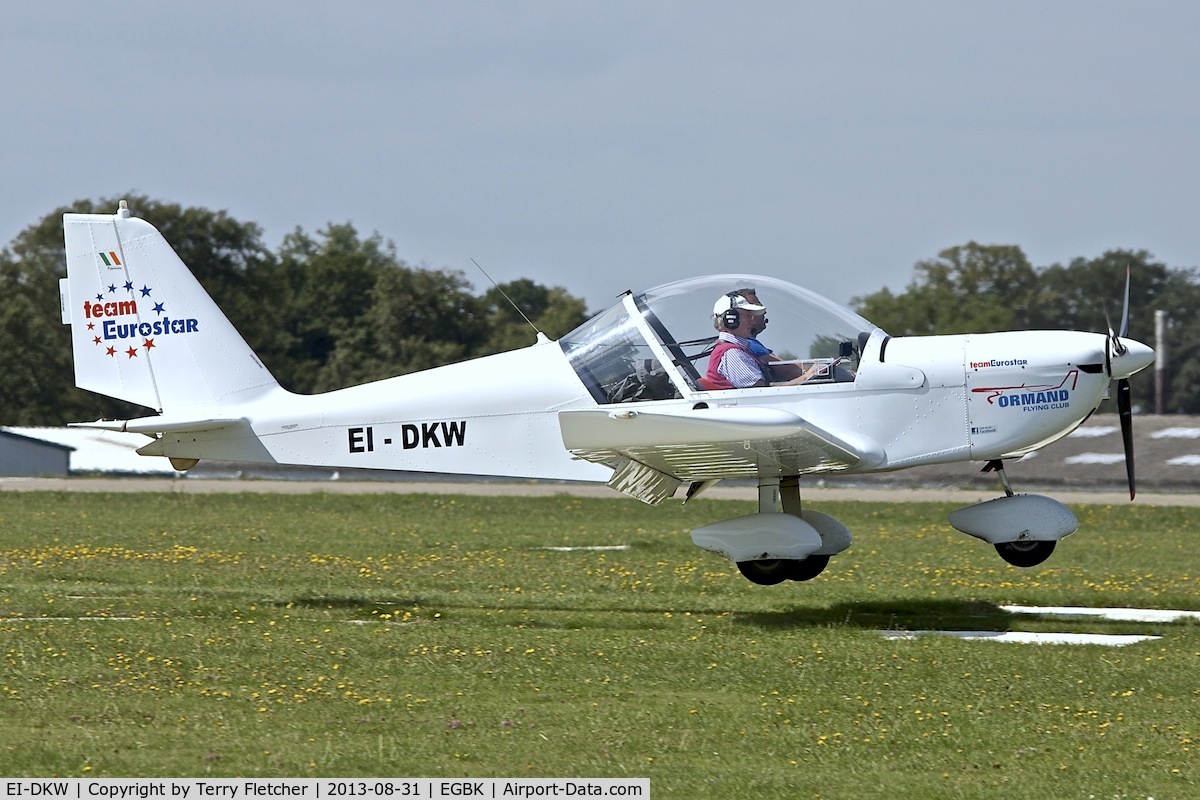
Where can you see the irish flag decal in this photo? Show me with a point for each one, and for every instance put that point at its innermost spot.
(110, 259)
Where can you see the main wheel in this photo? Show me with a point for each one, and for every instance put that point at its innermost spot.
(808, 568)
(1025, 554)
(766, 572)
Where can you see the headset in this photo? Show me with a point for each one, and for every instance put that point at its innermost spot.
(731, 317)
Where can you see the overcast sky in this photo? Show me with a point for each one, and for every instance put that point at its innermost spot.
(612, 145)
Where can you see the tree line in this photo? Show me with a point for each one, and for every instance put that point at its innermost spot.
(334, 308)
(323, 311)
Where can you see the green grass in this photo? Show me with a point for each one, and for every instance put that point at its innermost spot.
(268, 635)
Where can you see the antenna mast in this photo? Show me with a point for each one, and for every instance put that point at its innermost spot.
(540, 335)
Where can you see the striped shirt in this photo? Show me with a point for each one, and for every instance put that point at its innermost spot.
(737, 365)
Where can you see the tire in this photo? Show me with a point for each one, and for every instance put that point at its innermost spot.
(1025, 554)
(808, 568)
(767, 572)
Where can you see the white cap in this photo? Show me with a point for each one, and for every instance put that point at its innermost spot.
(728, 301)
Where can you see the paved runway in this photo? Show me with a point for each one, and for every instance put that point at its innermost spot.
(530, 489)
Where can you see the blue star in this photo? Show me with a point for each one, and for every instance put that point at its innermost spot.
(158, 308)
(112, 289)
(100, 297)
(145, 291)
(128, 286)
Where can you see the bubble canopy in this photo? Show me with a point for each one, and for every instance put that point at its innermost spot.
(654, 345)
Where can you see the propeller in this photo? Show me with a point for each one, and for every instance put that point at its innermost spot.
(1125, 410)
(1115, 347)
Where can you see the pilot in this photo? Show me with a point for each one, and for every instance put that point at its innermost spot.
(732, 364)
(759, 350)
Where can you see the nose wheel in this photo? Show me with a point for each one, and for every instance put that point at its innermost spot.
(1025, 554)
(1022, 553)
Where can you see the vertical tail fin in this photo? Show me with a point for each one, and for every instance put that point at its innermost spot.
(142, 327)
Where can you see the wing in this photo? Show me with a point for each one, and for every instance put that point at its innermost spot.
(653, 452)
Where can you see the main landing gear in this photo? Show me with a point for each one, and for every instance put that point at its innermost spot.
(768, 572)
(772, 547)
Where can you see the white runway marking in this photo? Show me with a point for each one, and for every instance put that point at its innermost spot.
(1190, 460)
(1113, 614)
(1025, 637)
(1092, 433)
(563, 549)
(1176, 433)
(1095, 458)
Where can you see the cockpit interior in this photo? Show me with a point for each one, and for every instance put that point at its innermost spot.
(656, 345)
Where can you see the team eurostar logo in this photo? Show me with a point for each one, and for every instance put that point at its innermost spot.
(999, 362)
(115, 322)
(1032, 398)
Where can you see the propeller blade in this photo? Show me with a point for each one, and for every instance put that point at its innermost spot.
(1113, 346)
(1125, 308)
(1125, 410)
(1108, 342)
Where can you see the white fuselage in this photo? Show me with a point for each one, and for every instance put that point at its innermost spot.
(930, 400)
(489, 416)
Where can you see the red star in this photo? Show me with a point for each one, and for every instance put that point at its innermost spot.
(132, 353)
(148, 344)
(96, 340)
(91, 326)
(112, 351)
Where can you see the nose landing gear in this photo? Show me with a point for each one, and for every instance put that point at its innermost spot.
(1024, 528)
(1025, 554)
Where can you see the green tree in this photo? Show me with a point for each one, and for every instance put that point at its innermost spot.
(416, 319)
(552, 310)
(1079, 295)
(969, 288)
(325, 289)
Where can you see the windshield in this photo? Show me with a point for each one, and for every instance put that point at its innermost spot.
(624, 355)
(613, 359)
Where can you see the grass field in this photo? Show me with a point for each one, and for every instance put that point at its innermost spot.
(412, 636)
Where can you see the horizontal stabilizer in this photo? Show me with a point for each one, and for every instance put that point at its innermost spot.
(153, 425)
